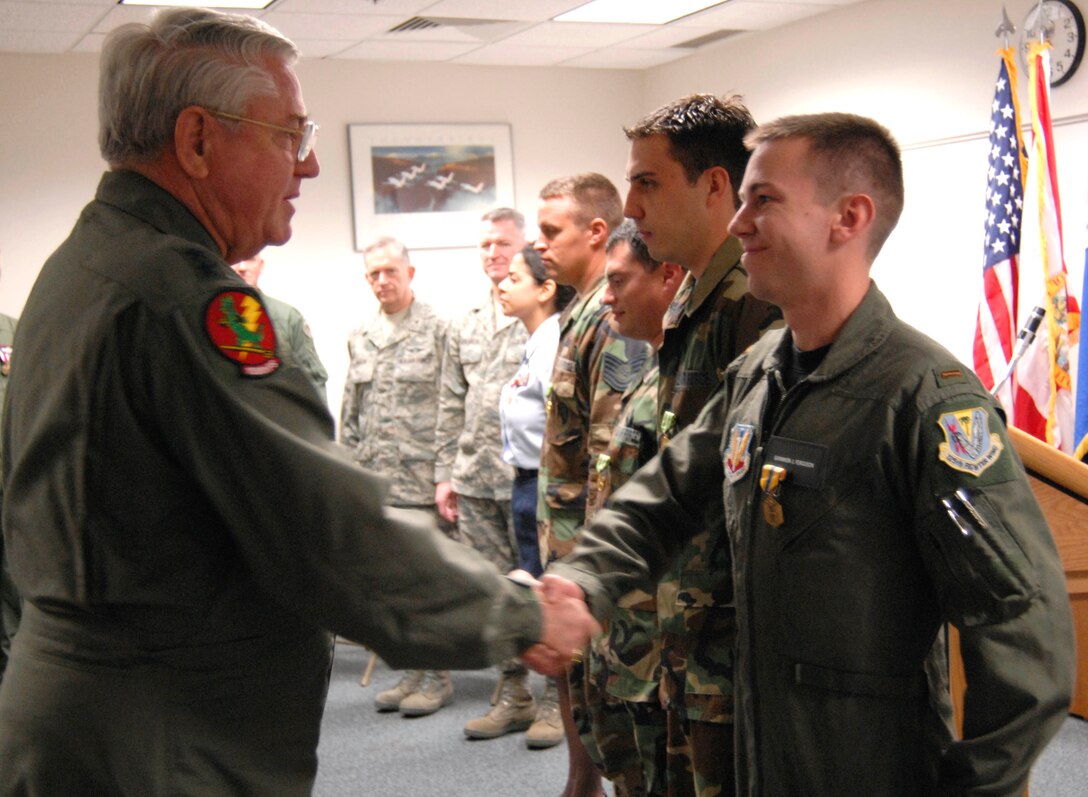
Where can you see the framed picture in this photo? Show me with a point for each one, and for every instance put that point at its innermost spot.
(427, 185)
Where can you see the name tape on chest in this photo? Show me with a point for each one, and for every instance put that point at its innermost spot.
(240, 329)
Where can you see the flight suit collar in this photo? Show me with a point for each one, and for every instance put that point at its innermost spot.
(867, 328)
(138, 196)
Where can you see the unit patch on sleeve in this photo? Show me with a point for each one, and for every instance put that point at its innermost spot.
(969, 445)
(239, 327)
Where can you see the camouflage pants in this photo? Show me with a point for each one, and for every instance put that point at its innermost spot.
(605, 726)
(651, 738)
(699, 758)
(488, 526)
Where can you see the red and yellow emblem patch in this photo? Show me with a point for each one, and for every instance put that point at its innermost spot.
(240, 328)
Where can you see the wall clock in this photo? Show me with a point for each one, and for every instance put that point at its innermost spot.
(1063, 26)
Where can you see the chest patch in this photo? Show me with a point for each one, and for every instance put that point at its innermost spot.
(737, 456)
(969, 446)
(239, 327)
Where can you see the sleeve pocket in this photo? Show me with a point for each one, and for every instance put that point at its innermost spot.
(981, 573)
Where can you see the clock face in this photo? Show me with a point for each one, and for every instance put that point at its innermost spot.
(1062, 25)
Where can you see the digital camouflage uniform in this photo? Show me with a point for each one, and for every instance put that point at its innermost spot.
(593, 368)
(483, 352)
(709, 323)
(390, 404)
(625, 664)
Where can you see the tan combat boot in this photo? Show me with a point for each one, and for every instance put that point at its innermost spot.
(435, 691)
(390, 699)
(514, 711)
(547, 728)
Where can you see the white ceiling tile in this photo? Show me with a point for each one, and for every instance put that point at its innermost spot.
(322, 48)
(668, 36)
(37, 41)
(122, 15)
(101, 3)
(624, 58)
(359, 29)
(51, 16)
(529, 10)
(91, 43)
(469, 33)
(751, 15)
(391, 51)
(329, 26)
(520, 55)
(392, 8)
(579, 33)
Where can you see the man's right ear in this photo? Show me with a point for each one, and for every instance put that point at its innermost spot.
(192, 140)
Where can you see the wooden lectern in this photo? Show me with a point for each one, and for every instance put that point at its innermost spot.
(1060, 484)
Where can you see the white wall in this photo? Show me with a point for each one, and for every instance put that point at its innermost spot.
(926, 69)
(923, 67)
(563, 121)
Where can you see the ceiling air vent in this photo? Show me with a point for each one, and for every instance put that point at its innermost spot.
(481, 29)
(699, 41)
(415, 23)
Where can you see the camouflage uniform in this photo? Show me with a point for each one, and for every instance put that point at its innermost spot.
(709, 323)
(625, 663)
(593, 368)
(390, 404)
(483, 352)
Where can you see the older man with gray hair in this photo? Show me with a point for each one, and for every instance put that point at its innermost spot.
(183, 529)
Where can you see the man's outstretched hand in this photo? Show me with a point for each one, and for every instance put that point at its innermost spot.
(566, 625)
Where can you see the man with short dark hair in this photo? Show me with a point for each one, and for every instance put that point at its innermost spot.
(864, 479)
(183, 529)
(684, 168)
(628, 721)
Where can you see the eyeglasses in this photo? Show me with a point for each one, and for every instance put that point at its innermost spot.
(307, 135)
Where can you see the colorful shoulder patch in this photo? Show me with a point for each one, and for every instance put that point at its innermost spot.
(737, 457)
(239, 327)
(969, 444)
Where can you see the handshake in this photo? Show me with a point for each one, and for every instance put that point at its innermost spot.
(566, 625)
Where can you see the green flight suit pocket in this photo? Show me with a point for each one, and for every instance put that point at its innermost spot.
(980, 570)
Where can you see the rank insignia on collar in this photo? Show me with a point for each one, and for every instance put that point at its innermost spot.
(969, 444)
(239, 327)
(737, 458)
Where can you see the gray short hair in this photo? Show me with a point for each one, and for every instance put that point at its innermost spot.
(505, 214)
(185, 56)
(387, 242)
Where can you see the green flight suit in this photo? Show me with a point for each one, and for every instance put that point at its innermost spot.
(902, 506)
(184, 530)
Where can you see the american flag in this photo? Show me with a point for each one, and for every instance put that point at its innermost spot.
(995, 328)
